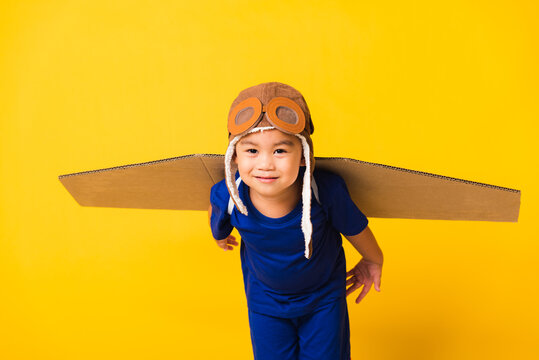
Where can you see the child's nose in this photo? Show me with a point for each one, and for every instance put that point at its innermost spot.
(265, 162)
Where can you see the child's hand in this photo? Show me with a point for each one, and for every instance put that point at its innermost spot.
(225, 244)
(364, 273)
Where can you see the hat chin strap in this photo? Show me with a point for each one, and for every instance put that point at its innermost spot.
(306, 225)
(229, 177)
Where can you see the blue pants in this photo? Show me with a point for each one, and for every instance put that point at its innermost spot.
(320, 335)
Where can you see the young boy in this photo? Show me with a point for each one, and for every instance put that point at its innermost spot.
(290, 219)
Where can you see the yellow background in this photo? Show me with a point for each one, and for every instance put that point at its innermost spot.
(445, 87)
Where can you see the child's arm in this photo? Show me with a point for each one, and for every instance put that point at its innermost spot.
(369, 270)
(226, 243)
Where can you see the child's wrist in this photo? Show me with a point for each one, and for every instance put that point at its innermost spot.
(379, 261)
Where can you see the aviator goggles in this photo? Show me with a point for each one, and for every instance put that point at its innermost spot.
(283, 113)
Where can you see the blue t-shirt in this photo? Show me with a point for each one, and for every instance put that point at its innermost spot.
(279, 280)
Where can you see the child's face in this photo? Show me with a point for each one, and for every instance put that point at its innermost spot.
(269, 161)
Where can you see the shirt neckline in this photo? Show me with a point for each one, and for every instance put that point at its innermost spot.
(266, 219)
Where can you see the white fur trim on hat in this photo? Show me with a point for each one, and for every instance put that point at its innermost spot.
(306, 225)
(230, 177)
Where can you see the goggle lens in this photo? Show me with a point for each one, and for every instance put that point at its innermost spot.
(287, 115)
(244, 115)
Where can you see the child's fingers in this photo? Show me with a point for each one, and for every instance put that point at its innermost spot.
(356, 283)
(226, 244)
(355, 279)
(377, 283)
(352, 288)
(222, 244)
(363, 292)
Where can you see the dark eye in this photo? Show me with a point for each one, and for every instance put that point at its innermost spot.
(251, 151)
(280, 151)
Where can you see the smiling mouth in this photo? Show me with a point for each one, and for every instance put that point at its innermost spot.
(265, 179)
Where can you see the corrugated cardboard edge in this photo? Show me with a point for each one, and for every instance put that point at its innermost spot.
(412, 194)
(484, 201)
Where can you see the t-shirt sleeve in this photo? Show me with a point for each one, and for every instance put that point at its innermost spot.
(342, 211)
(220, 219)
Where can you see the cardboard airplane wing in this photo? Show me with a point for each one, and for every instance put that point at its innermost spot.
(184, 183)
